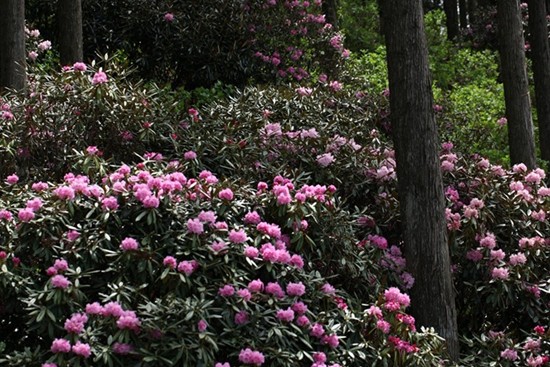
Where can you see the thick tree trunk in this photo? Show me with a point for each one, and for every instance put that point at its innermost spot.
(69, 31)
(463, 10)
(420, 185)
(451, 13)
(516, 86)
(330, 8)
(541, 70)
(12, 44)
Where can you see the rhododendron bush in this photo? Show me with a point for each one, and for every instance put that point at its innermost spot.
(150, 266)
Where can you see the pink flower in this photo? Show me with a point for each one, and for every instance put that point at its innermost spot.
(244, 294)
(109, 203)
(237, 236)
(219, 364)
(497, 255)
(128, 320)
(252, 218)
(61, 265)
(295, 289)
(92, 150)
(94, 308)
(500, 273)
(122, 348)
(251, 252)
(327, 288)
(302, 321)
(188, 267)
(59, 281)
(60, 346)
(190, 155)
(169, 17)
(202, 325)
(241, 317)
(82, 349)
(274, 289)
(226, 194)
(44, 45)
(113, 309)
(299, 307)
(64, 193)
(226, 291)
(248, 356)
(256, 286)
(12, 179)
(34, 204)
(99, 78)
(129, 244)
(285, 315)
(383, 326)
(324, 160)
(170, 262)
(474, 255)
(330, 340)
(317, 330)
(49, 365)
(195, 226)
(76, 323)
(25, 215)
(518, 259)
(79, 66)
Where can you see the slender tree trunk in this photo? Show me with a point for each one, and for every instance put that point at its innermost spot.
(463, 10)
(330, 8)
(516, 86)
(451, 13)
(541, 70)
(69, 31)
(472, 11)
(420, 185)
(12, 45)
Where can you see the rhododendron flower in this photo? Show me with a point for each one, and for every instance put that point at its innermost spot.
(82, 349)
(302, 321)
(275, 289)
(128, 320)
(188, 267)
(330, 340)
(324, 160)
(317, 330)
(122, 348)
(328, 288)
(202, 325)
(195, 226)
(241, 317)
(44, 45)
(295, 289)
(94, 308)
(61, 265)
(129, 244)
(26, 215)
(109, 203)
(49, 365)
(237, 236)
(75, 324)
(226, 291)
(6, 215)
(170, 261)
(79, 66)
(169, 17)
(252, 218)
(539, 329)
(60, 346)
(255, 286)
(99, 78)
(248, 356)
(226, 194)
(285, 315)
(244, 294)
(12, 179)
(112, 309)
(219, 364)
(518, 259)
(500, 273)
(59, 281)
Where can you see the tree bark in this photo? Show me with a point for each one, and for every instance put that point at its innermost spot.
(420, 186)
(69, 31)
(12, 45)
(516, 86)
(330, 8)
(541, 71)
(472, 11)
(463, 10)
(451, 12)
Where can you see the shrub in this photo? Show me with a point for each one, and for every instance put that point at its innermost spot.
(150, 266)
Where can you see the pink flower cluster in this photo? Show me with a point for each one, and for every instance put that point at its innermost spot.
(64, 346)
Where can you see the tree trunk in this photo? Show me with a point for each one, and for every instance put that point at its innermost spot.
(451, 13)
(330, 8)
(472, 11)
(516, 86)
(69, 31)
(541, 71)
(420, 186)
(12, 45)
(463, 7)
